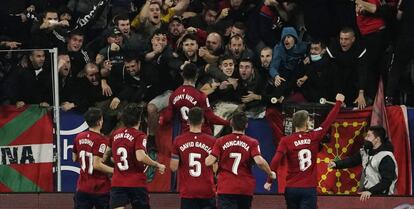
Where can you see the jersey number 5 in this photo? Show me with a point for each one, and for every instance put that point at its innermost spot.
(305, 159)
(195, 163)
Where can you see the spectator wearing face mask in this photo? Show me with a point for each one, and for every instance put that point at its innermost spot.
(315, 82)
(380, 171)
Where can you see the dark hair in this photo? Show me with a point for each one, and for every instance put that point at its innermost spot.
(157, 3)
(226, 57)
(239, 121)
(210, 5)
(300, 118)
(76, 33)
(237, 36)
(120, 17)
(131, 115)
(240, 26)
(190, 72)
(348, 30)
(188, 36)
(247, 59)
(49, 10)
(319, 42)
(195, 116)
(131, 58)
(380, 132)
(92, 116)
(159, 31)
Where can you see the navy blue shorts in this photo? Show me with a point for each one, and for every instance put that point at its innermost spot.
(198, 203)
(136, 196)
(88, 201)
(234, 201)
(300, 198)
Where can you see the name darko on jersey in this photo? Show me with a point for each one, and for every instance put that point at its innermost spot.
(302, 142)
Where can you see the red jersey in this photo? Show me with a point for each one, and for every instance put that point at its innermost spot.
(128, 172)
(186, 97)
(235, 154)
(195, 178)
(87, 145)
(369, 23)
(301, 149)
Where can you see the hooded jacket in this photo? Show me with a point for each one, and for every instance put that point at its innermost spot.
(287, 59)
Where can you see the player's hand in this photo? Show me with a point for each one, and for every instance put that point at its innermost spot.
(267, 186)
(340, 97)
(278, 80)
(161, 168)
(272, 175)
(331, 164)
(365, 195)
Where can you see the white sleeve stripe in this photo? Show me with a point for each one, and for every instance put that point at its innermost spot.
(362, 53)
(85, 55)
(329, 52)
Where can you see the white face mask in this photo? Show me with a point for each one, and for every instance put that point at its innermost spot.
(316, 57)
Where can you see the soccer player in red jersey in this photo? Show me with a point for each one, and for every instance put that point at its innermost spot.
(236, 152)
(187, 96)
(128, 146)
(88, 149)
(300, 149)
(196, 180)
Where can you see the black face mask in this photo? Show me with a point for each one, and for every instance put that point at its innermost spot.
(368, 145)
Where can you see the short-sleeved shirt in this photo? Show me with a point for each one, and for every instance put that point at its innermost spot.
(87, 145)
(235, 153)
(195, 178)
(186, 97)
(128, 172)
(301, 149)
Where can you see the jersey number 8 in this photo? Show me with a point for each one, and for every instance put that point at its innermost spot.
(305, 159)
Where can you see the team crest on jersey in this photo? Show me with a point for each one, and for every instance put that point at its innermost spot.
(102, 148)
(144, 143)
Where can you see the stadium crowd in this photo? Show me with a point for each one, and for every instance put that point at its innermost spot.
(243, 55)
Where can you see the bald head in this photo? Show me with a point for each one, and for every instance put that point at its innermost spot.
(213, 42)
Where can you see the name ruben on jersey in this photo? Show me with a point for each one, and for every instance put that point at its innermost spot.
(86, 141)
(195, 144)
(236, 143)
(186, 97)
(124, 135)
(302, 142)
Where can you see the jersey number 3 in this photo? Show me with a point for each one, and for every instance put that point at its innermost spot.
(305, 159)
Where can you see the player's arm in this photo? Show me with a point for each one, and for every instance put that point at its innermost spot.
(210, 160)
(74, 157)
(174, 162)
(211, 117)
(167, 115)
(107, 156)
(143, 157)
(100, 166)
(331, 116)
(262, 164)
